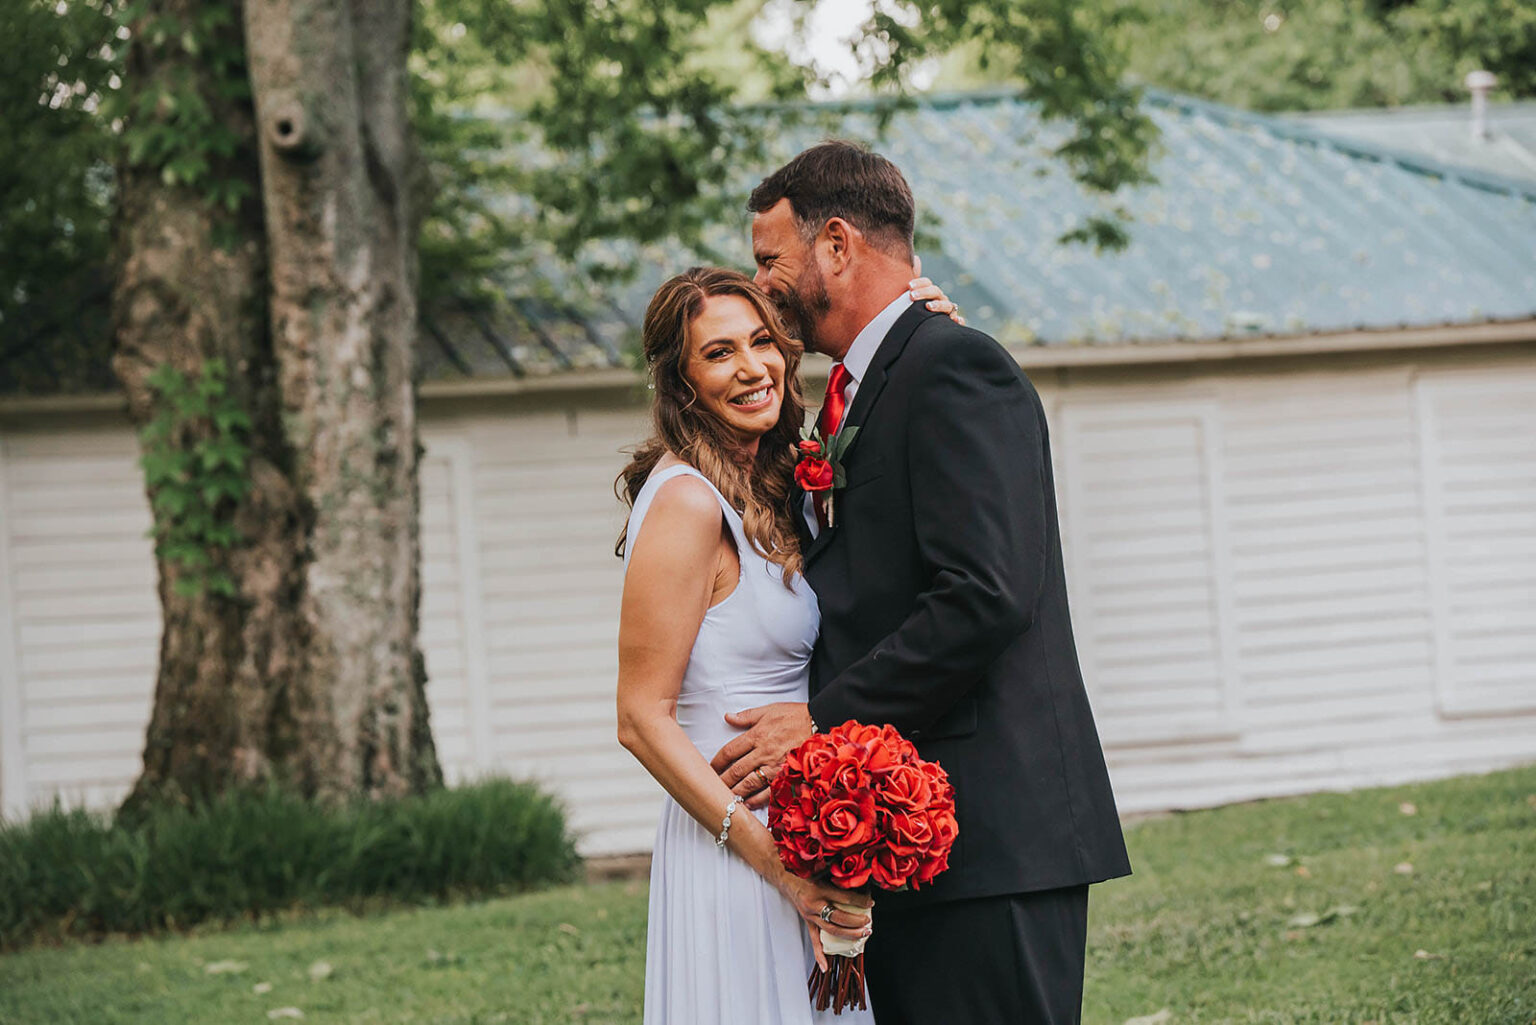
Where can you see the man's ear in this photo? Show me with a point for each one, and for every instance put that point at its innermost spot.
(838, 236)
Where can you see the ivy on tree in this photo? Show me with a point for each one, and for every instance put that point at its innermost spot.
(194, 456)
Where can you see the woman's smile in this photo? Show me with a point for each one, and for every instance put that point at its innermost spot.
(755, 400)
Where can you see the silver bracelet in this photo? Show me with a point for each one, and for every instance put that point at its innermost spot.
(814, 727)
(725, 823)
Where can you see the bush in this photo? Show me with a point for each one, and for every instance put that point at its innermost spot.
(251, 852)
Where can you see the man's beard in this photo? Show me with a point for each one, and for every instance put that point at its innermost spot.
(804, 306)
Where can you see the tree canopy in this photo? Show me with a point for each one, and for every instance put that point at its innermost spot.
(1277, 55)
(544, 126)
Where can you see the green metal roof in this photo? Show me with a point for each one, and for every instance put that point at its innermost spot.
(1256, 226)
(1442, 132)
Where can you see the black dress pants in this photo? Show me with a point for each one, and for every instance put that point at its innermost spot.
(1010, 960)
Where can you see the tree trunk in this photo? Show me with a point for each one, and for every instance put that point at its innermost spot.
(310, 674)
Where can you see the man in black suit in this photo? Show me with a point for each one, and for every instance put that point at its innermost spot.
(944, 608)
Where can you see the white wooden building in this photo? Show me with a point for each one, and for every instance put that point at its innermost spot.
(1299, 559)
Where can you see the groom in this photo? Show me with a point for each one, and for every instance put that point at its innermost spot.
(943, 608)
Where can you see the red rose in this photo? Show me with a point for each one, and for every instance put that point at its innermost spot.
(850, 871)
(847, 823)
(906, 786)
(810, 447)
(938, 780)
(900, 746)
(911, 833)
(945, 828)
(813, 474)
(930, 868)
(893, 871)
(815, 755)
(845, 773)
(852, 732)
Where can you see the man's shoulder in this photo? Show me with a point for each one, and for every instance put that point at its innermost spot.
(940, 337)
(940, 347)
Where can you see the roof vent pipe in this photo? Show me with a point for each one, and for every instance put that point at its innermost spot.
(1480, 82)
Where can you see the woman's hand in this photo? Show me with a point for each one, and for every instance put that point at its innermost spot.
(810, 897)
(921, 289)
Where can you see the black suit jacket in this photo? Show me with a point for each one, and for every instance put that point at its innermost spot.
(944, 611)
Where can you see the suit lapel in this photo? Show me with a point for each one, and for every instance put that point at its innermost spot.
(869, 391)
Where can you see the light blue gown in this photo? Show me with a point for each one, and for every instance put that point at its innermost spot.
(723, 947)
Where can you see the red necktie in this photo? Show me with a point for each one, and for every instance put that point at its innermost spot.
(827, 423)
(835, 404)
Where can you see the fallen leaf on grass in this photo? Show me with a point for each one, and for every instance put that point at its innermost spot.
(1278, 860)
(1408, 808)
(1424, 955)
(1160, 1018)
(225, 967)
(569, 929)
(320, 971)
(1309, 919)
(261, 987)
(284, 1012)
(1304, 871)
(1404, 868)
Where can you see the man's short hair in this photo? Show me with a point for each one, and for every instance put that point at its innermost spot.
(843, 179)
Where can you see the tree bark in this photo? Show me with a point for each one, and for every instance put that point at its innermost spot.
(311, 674)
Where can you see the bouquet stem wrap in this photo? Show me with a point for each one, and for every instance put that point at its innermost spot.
(842, 985)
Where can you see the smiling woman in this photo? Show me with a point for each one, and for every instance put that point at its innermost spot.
(715, 617)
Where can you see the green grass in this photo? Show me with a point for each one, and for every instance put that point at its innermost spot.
(1208, 929)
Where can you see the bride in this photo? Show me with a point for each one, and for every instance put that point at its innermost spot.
(715, 618)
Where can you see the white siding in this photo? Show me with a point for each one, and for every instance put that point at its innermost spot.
(547, 522)
(13, 763)
(87, 619)
(1330, 508)
(1478, 441)
(444, 625)
(1281, 580)
(1141, 483)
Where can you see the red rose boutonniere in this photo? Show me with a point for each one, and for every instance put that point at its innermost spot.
(820, 465)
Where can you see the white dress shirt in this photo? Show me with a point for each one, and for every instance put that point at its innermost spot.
(857, 360)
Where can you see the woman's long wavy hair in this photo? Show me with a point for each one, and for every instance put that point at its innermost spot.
(759, 487)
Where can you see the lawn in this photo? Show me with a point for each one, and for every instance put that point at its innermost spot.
(1412, 904)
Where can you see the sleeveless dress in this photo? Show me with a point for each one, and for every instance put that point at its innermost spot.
(723, 947)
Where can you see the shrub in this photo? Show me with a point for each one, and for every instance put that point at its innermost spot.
(251, 852)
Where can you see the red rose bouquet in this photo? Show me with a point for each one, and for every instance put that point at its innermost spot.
(858, 807)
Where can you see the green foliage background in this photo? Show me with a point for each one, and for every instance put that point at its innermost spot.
(547, 126)
(1273, 55)
(248, 853)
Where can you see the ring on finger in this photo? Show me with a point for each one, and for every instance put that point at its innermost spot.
(826, 912)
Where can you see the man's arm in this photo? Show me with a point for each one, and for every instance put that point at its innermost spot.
(976, 465)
